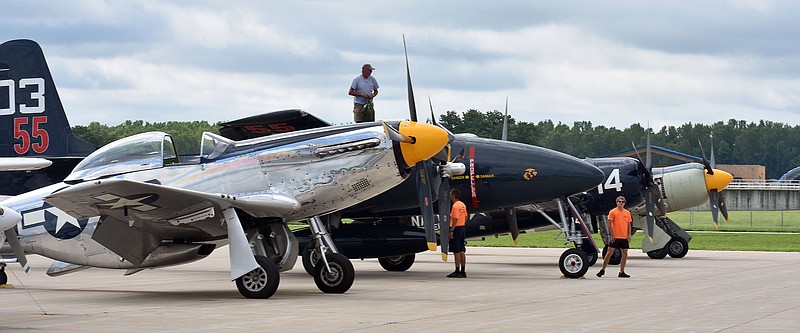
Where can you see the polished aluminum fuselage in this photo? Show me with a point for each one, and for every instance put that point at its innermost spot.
(323, 171)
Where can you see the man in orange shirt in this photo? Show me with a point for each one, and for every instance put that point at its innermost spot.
(620, 220)
(458, 234)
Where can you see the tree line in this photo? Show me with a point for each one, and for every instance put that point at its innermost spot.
(772, 144)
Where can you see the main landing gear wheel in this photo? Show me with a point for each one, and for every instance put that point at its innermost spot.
(591, 258)
(573, 263)
(657, 254)
(310, 257)
(339, 279)
(3, 276)
(677, 247)
(397, 263)
(261, 282)
(615, 258)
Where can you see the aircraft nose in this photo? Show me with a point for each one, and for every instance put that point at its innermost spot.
(428, 140)
(718, 181)
(8, 218)
(584, 175)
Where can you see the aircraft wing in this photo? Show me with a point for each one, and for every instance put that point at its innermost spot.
(137, 216)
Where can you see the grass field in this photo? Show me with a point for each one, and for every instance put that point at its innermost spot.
(724, 241)
(777, 221)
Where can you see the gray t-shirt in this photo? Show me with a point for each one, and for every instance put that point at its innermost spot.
(360, 84)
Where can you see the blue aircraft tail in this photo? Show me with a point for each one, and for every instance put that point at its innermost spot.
(32, 119)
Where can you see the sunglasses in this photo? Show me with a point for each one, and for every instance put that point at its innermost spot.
(621, 201)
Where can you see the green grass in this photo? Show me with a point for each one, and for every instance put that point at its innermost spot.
(776, 242)
(772, 221)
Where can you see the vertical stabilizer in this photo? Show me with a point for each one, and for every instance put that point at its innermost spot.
(32, 119)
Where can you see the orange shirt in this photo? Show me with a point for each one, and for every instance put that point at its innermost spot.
(620, 220)
(459, 211)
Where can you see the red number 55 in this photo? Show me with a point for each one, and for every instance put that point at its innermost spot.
(25, 137)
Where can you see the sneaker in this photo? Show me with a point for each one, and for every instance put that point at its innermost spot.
(455, 274)
(623, 275)
(601, 272)
(463, 274)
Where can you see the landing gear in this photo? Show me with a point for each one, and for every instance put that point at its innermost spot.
(310, 258)
(615, 258)
(573, 263)
(397, 263)
(336, 276)
(333, 272)
(677, 247)
(657, 254)
(261, 282)
(3, 276)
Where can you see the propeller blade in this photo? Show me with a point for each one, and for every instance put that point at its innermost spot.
(713, 202)
(504, 136)
(433, 116)
(11, 237)
(412, 108)
(513, 227)
(460, 155)
(395, 135)
(425, 202)
(648, 162)
(444, 217)
(706, 164)
(649, 207)
(712, 163)
(722, 208)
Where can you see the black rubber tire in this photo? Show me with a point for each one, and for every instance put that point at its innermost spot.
(310, 257)
(262, 282)
(615, 259)
(657, 254)
(677, 247)
(3, 276)
(573, 263)
(592, 258)
(341, 277)
(397, 263)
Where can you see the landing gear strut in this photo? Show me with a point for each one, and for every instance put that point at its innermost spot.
(574, 263)
(333, 272)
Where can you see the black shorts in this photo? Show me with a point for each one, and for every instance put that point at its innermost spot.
(620, 243)
(459, 242)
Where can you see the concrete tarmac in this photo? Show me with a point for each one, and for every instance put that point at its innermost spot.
(508, 289)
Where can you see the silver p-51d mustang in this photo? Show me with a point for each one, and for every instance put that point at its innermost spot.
(133, 204)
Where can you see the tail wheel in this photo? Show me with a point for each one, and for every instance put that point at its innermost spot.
(573, 263)
(677, 247)
(339, 279)
(397, 263)
(261, 282)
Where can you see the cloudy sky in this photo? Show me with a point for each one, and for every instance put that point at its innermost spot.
(613, 63)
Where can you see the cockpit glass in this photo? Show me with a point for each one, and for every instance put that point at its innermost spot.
(138, 152)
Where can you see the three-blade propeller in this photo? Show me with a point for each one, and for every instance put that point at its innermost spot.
(431, 177)
(715, 198)
(652, 194)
